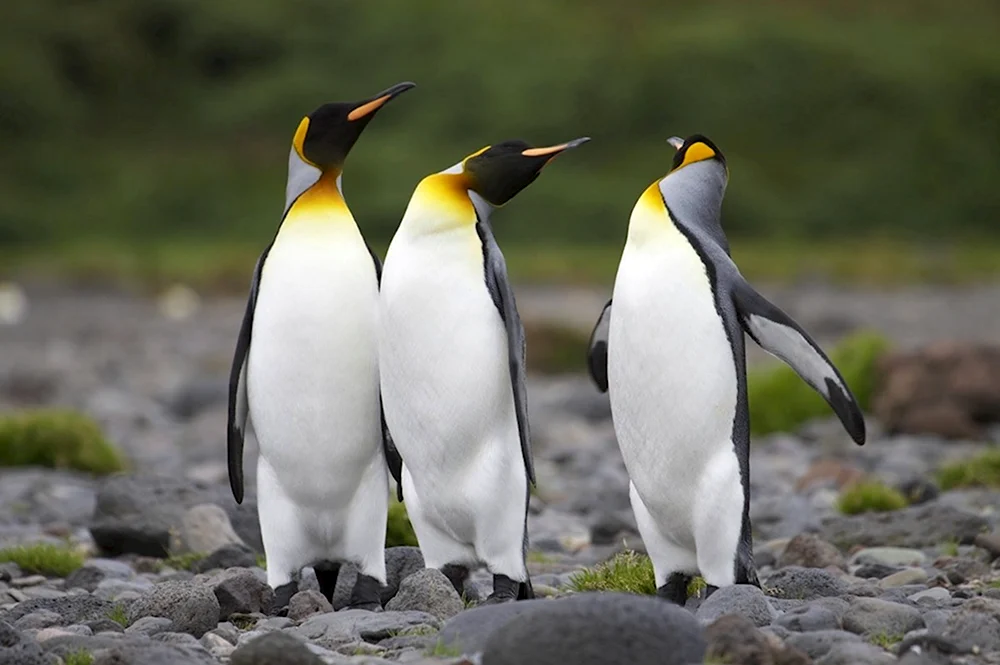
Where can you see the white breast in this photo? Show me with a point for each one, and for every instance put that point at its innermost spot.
(313, 367)
(670, 368)
(444, 371)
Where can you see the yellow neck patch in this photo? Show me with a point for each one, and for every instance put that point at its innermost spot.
(696, 152)
(322, 202)
(441, 201)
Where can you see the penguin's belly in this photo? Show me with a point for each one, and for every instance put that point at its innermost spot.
(673, 385)
(313, 365)
(446, 381)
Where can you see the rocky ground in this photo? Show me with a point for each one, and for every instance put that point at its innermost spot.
(917, 585)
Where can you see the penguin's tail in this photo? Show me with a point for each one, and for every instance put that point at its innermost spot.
(525, 591)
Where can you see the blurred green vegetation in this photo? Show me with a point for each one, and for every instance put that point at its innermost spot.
(399, 531)
(983, 470)
(780, 401)
(870, 496)
(149, 121)
(58, 439)
(43, 558)
(626, 571)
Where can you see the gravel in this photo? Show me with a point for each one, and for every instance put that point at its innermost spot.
(836, 588)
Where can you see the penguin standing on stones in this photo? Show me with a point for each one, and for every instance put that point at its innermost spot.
(669, 350)
(451, 354)
(306, 372)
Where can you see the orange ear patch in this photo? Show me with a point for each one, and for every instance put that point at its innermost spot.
(696, 152)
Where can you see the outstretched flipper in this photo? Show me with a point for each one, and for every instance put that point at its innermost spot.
(597, 350)
(239, 407)
(503, 297)
(392, 457)
(778, 334)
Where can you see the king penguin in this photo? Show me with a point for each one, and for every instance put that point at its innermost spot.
(669, 349)
(306, 373)
(452, 359)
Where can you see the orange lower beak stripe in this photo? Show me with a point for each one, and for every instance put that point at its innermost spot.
(370, 107)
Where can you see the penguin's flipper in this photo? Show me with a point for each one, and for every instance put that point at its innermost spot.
(239, 407)
(392, 458)
(597, 349)
(497, 282)
(778, 334)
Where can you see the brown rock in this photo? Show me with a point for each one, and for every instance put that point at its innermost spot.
(828, 472)
(810, 551)
(950, 389)
(734, 639)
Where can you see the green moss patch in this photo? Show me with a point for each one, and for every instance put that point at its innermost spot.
(870, 497)
(59, 439)
(980, 471)
(43, 559)
(627, 571)
(780, 401)
(184, 561)
(119, 616)
(399, 531)
(78, 658)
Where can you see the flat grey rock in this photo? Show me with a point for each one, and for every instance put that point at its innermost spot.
(817, 644)
(873, 616)
(335, 629)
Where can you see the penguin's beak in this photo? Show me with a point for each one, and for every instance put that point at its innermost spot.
(368, 107)
(552, 151)
(676, 141)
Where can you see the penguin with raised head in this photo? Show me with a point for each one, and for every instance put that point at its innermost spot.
(305, 371)
(669, 349)
(452, 359)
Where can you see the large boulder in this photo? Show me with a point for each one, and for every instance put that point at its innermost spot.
(598, 628)
(950, 389)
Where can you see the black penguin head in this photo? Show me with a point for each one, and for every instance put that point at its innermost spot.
(695, 148)
(498, 172)
(326, 136)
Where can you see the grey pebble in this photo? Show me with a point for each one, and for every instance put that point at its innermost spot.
(743, 599)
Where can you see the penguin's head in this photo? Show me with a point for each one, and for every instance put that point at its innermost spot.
(498, 172)
(697, 149)
(325, 136)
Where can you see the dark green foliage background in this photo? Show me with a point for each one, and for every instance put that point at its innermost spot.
(170, 119)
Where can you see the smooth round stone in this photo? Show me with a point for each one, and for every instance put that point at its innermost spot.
(935, 595)
(904, 577)
(889, 556)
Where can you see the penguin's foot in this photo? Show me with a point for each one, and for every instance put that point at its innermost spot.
(365, 595)
(283, 594)
(505, 590)
(676, 589)
(327, 573)
(456, 574)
